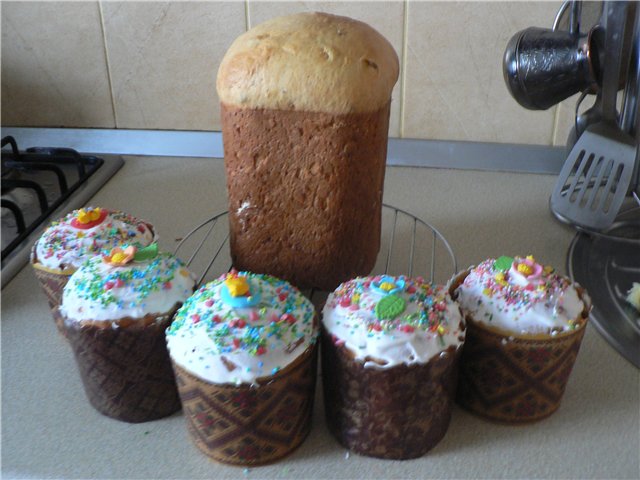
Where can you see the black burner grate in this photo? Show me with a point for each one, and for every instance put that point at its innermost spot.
(34, 184)
(40, 185)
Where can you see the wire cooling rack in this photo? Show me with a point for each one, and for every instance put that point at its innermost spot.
(409, 246)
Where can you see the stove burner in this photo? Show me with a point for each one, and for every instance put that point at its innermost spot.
(40, 185)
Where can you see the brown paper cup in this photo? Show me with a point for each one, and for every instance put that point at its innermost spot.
(126, 371)
(249, 426)
(515, 378)
(398, 413)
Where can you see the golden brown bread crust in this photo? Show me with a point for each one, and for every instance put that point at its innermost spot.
(309, 62)
(305, 192)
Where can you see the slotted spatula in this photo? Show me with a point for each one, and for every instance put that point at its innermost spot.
(596, 176)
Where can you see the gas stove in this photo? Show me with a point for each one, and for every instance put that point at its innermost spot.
(40, 185)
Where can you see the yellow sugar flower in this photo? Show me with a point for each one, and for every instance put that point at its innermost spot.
(119, 257)
(387, 286)
(88, 215)
(237, 286)
(525, 269)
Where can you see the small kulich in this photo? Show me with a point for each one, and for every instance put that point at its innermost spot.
(68, 242)
(516, 378)
(115, 310)
(390, 348)
(244, 350)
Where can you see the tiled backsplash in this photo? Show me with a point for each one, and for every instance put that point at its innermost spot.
(152, 65)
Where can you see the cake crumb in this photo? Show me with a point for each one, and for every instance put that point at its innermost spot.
(633, 296)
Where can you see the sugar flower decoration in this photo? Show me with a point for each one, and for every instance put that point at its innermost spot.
(88, 218)
(238, 286)
(388, 285)
(236, 291)
(526, 271)
(119, 257)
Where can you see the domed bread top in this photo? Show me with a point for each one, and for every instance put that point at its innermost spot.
(309, 62)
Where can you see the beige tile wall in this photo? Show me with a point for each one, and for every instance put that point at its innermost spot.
(163, 58)
(53, 66)
(152, 65)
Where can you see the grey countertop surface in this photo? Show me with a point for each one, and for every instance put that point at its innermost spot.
(49, 430)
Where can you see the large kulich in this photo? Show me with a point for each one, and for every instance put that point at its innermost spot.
(305, 112)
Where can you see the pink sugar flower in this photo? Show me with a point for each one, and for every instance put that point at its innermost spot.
(527, 269)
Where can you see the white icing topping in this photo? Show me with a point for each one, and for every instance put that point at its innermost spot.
(98, 291)
(221, 343)
(63, 245)
(429, 323)
(541, 302)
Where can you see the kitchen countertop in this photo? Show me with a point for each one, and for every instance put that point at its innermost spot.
(49, 430)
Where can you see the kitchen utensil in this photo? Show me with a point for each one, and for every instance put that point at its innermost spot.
(607, 265)
(593, 114)
(542, 67)
(590, 14)
(631, 104)
(596, 176)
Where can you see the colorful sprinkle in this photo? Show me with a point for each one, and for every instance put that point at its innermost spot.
(278, 320)
(69, 242)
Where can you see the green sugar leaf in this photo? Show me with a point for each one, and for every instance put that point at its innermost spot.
(503, 263)
(390, 307)
(146, 253)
